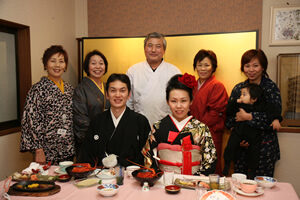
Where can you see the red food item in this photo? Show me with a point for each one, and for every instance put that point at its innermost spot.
(35, 171)
(45, 167)
(146, 175)
(34, 177)
(82, 167)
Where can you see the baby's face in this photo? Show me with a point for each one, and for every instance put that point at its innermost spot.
(245, 97)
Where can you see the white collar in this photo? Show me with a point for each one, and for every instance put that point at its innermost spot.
(180, 125)
(115, 120)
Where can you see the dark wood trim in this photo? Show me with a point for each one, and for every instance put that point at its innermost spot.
(79, 55)
(10, 130)
(289, 130)
(23, 65)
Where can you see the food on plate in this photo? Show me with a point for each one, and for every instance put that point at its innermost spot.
(34, 185)
(146, 175)
(203, 184)
(186, 183)
(87, 182)
(33, 177)
(82, 167)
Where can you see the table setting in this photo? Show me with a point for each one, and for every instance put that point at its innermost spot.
(137, 182)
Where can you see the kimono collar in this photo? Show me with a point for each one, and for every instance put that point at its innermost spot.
(59, 84)
(116, 120)
(101, 88)
(180, 125)
(206, 81)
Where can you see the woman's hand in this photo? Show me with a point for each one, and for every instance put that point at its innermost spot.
(40, 156)
(242, 115)
(276, 124)
(244, 144)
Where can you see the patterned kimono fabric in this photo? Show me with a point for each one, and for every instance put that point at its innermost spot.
(47, 121)
(197, 133)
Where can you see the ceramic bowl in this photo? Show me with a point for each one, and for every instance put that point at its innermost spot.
(64, 164)
(64, 178)
(248, 186)
(265, 181)
(130, 169)
(108, 190)
(172, 189)
(151, 180)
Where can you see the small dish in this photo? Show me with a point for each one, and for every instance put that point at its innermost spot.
(265, 181)
(108, 190)
(254, 194)
(106, 174)
(172, 189)
(64, 178)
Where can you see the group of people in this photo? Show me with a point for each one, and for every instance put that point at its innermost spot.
(154, 115)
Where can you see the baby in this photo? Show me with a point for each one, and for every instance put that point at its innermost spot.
(251, 100)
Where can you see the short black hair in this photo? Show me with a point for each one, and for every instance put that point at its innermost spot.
(206, 54)
(255, 53)
(255, 91)
(174, 83)
(54, 49)
(87, 59)
(118, 77)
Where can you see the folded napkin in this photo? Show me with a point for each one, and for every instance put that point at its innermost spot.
(35, 166)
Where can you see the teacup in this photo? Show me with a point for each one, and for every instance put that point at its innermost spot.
(248, 186)
(64, 164)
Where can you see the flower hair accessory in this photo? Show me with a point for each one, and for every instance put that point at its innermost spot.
(188, 80)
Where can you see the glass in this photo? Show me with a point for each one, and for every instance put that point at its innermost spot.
(168, 177)
(119, 175)
(234, 186)
(200, 190)
(214, 181)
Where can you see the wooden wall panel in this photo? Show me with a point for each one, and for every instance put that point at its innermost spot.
(139, 17)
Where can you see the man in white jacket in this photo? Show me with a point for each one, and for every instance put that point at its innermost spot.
(149, 80)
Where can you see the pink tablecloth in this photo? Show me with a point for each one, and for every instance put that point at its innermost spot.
(131, 190)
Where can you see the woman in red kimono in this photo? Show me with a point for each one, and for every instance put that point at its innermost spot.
(210, 99)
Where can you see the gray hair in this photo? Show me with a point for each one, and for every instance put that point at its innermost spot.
(156, 35)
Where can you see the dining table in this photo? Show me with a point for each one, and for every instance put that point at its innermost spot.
(132, 190)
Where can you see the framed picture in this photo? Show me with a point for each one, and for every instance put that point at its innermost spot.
(285, 26)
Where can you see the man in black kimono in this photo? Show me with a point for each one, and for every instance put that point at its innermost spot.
(119, 130)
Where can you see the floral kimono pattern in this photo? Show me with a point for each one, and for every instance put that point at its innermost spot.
(200, 136)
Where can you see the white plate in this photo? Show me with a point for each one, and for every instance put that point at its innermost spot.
(217, 194)
(105, 174)
(58, 171)
(254, 194)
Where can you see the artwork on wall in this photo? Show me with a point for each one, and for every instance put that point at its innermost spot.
(285, 26)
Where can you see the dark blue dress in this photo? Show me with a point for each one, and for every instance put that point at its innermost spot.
(269, 151)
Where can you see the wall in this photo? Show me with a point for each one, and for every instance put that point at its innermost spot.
(136, 17)
(288, 167)
(51, 22)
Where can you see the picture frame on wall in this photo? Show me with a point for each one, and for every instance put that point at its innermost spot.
(285, 26)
